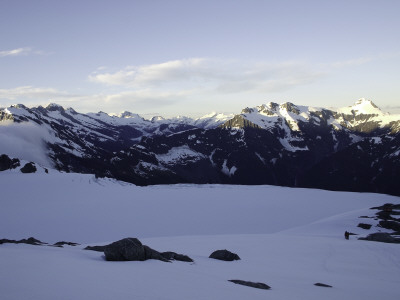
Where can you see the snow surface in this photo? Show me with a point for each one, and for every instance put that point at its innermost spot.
(287, 238)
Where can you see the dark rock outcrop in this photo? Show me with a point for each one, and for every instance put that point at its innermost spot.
(387, 207)
(95, 248)
(62, 243)
(131, 249)
(381, 237)
(29, 241)
(364, 226)
(153, 254)
(125, 249)
(322, 284)
(257, 285)
(7, 163)
(224, 255)
(393, 225)
(175, 256)
(29, 168)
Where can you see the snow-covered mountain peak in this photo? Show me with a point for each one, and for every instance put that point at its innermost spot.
(54, 107)
(361, 106)
(19, 106)
(216, 116)
(157, 119)
(289, 107)
(128, 114)
(72, 111)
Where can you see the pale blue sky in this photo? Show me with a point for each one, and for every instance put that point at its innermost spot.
(194, 57)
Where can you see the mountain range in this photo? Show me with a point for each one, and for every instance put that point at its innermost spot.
(356, 148)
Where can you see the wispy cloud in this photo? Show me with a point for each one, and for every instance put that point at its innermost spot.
(364, 60)
(352, 62)
(22, 52)
(31, 92)
(211, 74)
(16, 52)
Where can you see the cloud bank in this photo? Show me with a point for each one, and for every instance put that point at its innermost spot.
(24, 141)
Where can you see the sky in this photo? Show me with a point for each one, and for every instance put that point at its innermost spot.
(169, 58)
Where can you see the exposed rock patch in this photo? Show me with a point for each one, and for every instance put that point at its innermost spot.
(62, 243)
(364, 226)
(386, 220)
(7, 163)
(175, 256)
(95, 248)
(224, 255)
(257, 285)
(29, 241)
(381, 237)
(131, 249)
(393, 225)
(29, 168)
(322, 284)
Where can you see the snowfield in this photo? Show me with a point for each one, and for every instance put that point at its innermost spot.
(287, 238)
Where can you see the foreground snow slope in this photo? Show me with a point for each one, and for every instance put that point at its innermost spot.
(80, 208)
(287, 238)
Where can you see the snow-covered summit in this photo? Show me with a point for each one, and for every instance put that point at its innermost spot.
(54, 107)
(128, 114)
(361, 106)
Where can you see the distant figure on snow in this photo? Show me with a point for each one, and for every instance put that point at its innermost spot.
(346, 235)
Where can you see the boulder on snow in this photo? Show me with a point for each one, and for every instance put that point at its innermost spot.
(7, 163)
(130, 249)
(381, 237)
(224, 255)
(125, 249)
(175, 256)
(322, 284)
(257, 285)
(29, 168)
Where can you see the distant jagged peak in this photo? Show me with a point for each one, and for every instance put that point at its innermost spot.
(128, 114)
(361, 106)
(216, 115)
(248, 110)
(71, 110)
(364, 101)
(20, 106)
(54, 107)
(272, 108)
(157, 119)
(290, 107)
(268, 109)
(102, 113)
(210, 115)
(272, 105)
